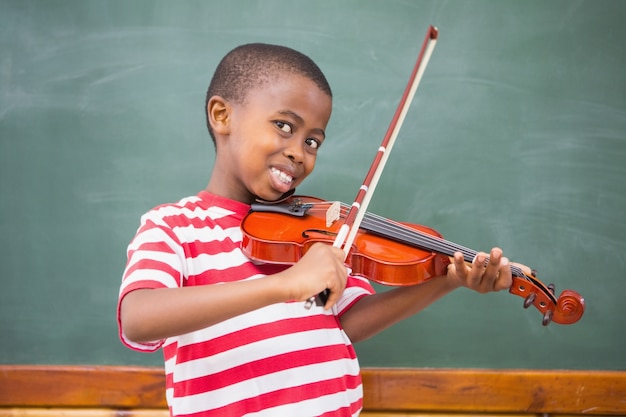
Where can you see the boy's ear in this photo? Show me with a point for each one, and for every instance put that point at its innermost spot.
(218, 112)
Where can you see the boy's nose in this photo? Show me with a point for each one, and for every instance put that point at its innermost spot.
(294, 151)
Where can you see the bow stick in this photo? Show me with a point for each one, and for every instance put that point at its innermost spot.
(347, 232)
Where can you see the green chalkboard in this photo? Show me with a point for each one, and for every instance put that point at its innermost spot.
(516, 138)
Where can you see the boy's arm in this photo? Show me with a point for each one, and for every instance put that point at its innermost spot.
(148, 315)
(372, 314)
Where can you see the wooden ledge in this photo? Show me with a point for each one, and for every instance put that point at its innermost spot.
(386, 391)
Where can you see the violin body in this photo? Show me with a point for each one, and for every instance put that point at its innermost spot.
(280, 238)
(384, 251)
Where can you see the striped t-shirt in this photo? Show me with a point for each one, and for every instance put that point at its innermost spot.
(280, 360)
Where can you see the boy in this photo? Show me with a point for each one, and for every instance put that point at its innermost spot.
(236, 337)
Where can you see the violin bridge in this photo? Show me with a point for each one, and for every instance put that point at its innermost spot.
(332, 214)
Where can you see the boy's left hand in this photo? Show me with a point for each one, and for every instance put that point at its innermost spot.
(480, 275)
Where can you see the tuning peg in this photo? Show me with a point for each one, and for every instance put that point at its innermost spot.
(547, 318)
(528, 301)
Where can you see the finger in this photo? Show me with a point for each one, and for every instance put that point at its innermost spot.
(475, 276)
(339, 254)
(497, 272)
(337, 282)
(505, 278)
(459, 265)
(493, 266)
(333, 298)
(337, 287)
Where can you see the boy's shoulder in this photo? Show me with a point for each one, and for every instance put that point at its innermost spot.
(202, 206)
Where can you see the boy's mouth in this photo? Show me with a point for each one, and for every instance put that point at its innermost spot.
(282, 176)
(282, 180)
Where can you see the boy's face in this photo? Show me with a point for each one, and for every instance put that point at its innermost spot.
(273, 139)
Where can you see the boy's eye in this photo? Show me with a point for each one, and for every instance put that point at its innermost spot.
(313, 143)
(285, 127)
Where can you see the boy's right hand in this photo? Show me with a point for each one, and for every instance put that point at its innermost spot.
(319, 269)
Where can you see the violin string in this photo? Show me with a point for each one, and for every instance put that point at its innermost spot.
(416, 237)
(430, 242)
(386, 227)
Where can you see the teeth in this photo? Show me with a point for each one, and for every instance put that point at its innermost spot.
(282, 176)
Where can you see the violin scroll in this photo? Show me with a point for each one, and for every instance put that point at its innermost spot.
(568, 308)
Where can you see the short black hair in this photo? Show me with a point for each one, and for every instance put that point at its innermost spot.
(250, 65)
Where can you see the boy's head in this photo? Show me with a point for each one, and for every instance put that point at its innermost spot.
(249, 66)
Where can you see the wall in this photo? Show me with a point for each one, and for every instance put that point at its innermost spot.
(516, 138)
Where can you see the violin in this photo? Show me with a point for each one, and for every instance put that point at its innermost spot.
(384, 251)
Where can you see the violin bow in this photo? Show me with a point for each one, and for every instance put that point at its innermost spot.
(354, 217)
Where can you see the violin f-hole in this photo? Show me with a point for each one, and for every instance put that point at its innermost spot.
(305, 233)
